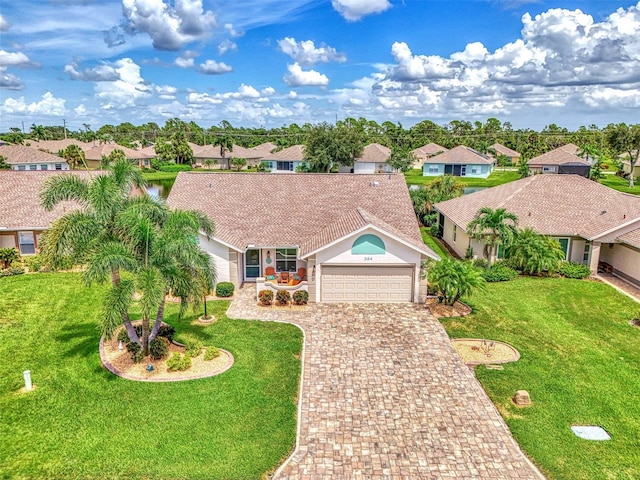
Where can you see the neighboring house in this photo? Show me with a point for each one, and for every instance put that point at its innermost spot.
(460, 161)
(286, 160)
(560, 161)
(593, 223)
(427, 151)
(29, 158)
(373, 160)
(355, 236)
(22, 218)
(512, 155)
(94, 155)
(54, 146)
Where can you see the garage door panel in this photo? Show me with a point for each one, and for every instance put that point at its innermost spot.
(366, 284)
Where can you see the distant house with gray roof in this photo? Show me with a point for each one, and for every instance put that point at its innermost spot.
(373, 160)
(512, 155)
(594, 224)
(427, 151)
(560, 161)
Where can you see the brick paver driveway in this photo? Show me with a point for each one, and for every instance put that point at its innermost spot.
(385, 396)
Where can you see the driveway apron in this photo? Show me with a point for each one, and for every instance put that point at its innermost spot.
(384, 395)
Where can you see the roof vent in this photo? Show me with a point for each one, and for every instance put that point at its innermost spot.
(603, 212)
(209, 184)
(374, 184)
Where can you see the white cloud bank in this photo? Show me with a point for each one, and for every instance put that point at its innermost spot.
(353, 10)
(303, 78)
(306, 53)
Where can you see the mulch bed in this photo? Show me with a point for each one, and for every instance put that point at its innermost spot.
(476, 351)
(440, 310)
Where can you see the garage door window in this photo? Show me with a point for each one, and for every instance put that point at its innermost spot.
(368, 245)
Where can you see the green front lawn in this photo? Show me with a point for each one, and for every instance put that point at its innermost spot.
(84, 422)
(620, 184)
(497, 177)
(580, 362)
(433, 243)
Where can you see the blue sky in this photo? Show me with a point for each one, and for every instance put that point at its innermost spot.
(276, 62)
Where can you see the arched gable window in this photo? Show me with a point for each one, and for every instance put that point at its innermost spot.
(368, 245)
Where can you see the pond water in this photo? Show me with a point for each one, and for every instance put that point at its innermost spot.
(159, 189)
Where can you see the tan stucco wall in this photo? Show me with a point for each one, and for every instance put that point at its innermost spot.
(8, 241)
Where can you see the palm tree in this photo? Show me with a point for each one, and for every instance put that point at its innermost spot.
(74, 156)
(493, 227)
(225, 142)
(38, 132)
(455, 278)
(534, 253)
(114, 232)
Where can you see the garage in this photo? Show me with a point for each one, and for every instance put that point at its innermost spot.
(377, 284)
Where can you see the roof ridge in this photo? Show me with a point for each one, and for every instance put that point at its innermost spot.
(520, 189)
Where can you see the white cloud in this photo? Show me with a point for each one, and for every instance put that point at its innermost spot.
(80, 110)
(170, 27)
(300, 78)
(13, 59)
(416, 67)
(101, 73)
(231, 30)
(306, 53)
(166, 92)
(202, 98)
(4, 24)
(125, 91)
(353, 10)
(48, 105)
(186, 59)
(211, 67)
(226, 46)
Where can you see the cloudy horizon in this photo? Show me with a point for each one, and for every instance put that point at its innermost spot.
(272, 63)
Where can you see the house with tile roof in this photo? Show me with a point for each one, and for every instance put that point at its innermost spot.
(350, 238)
(94, 154)
(512, 155)
(560, 161)
(22, 218)
(286, 160)
(373, 160)
(427, 151)
(594, 224)
(460, 161)
(25, 158)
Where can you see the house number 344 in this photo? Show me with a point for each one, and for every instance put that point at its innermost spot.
(368, 259)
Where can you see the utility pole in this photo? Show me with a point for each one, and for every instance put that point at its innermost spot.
(64, 123)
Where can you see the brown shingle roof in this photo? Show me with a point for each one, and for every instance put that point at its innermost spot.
(374, 152)
(551, 204)
(97, 151)
(630, 238)
(428, 150)
(295, 209)
(20, 201)
(262, 150)
(570, 148)
(461, 155)
(502, 150)
(54, 146)
(559, 156)
(20, 154)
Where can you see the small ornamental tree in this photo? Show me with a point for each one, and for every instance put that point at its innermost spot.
(493, 228)
(533, 253)
(238, 162)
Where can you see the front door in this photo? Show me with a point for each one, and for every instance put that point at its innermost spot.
(251, 264)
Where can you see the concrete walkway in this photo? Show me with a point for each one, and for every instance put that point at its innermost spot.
(384, 395)
(621, 285)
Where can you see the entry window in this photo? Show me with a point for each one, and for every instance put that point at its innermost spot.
(33, 167)
(587, 251)
(548, 169)
(433, 169)
(564, 243)
(286, 259)
(58, 166)
(455, 232)
(22, 167)
(286, 166)
(44, 166)
(26, 243)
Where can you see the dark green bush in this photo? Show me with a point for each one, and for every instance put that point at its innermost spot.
(480, 262)
(8, 256)
(283, 297)
(34, 262)
(300, 297)
(159, 348)
(265, 297)
(123, 336)
(574, 270)
(137, 355)
(174, 167)
(499, 273)
(179, 362)
(167, 331)
(224, 289)
(211, 353)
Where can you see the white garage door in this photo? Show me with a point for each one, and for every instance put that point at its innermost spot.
(366, 284)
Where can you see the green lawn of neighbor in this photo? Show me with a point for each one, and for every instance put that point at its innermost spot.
(620, 184)
(433, 243)
(580, 362)
(497, 177)
(82, 422)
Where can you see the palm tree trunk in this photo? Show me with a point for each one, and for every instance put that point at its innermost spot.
(145, 335)
(158, 322)
(131, 331)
